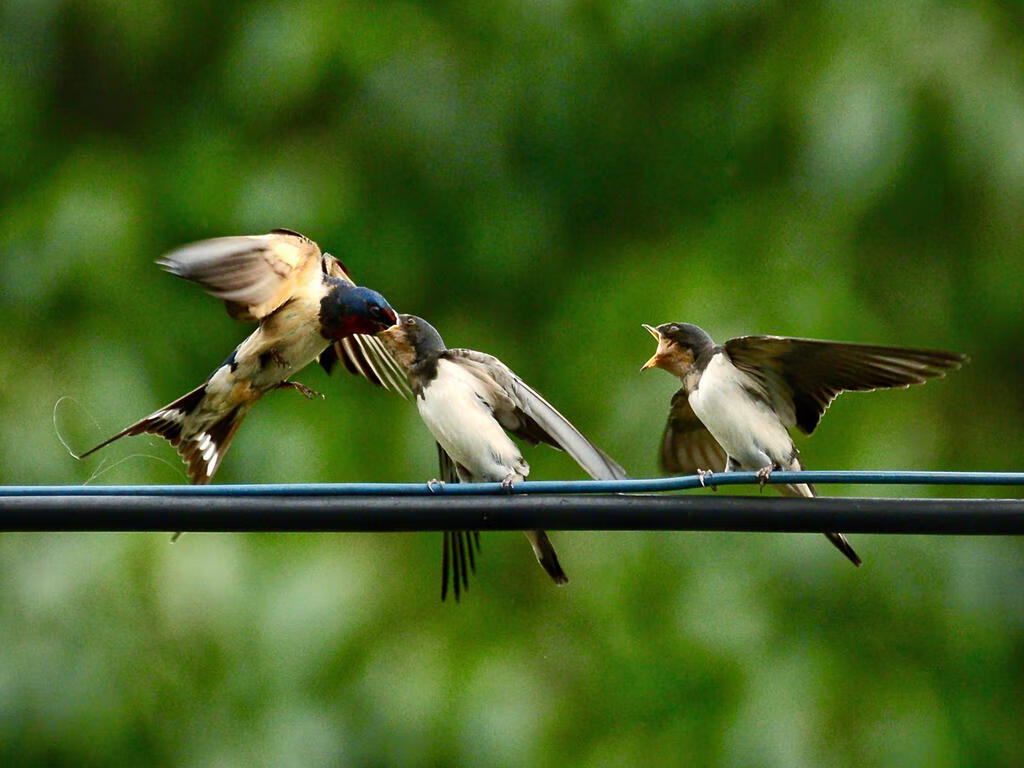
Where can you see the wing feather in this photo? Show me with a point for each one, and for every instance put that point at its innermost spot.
(801, 377)
(523, 411)
(686, 444)
(252, 274)
(367, 356)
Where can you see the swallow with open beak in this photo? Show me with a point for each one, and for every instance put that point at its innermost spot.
(306, 306)
(469, 401)
(738, 399)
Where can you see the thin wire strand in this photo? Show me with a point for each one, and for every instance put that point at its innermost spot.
(561, 487)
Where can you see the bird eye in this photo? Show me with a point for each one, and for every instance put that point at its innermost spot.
(411, 322)
(375, 311)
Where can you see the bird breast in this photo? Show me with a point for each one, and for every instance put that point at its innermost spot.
(286, 341)
(745, 425)
(455, 409)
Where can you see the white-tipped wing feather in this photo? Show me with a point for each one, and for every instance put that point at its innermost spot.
(367, 356)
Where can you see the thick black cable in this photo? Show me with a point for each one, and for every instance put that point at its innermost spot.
(718, 512)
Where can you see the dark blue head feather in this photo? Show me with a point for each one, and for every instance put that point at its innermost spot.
(349, 309)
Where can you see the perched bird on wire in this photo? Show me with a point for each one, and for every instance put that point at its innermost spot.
(306, 306)
(469, 400)
(738, 399)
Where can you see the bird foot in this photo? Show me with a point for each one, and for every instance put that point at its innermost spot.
(705, 475)
(435, 486)
(763, 474)
(508, 483)
(308, 393)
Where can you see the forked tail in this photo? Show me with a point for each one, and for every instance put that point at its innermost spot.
(456, 555)
(200, 440)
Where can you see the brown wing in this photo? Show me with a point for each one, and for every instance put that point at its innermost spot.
(253, 274)
(686, 445)
(801, 377)
(331, 265)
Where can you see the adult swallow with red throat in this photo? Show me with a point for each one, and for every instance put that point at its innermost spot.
(305, 306)
(739, 399)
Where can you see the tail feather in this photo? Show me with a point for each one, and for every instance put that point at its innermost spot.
(546, 556)
(457, 552)
(843, 546)
(166, 422)
(201, 448)
(204, 451)
(806, 490)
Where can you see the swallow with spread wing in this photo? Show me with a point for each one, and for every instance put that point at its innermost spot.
(738, 399)
(305, 305)
(469, 400)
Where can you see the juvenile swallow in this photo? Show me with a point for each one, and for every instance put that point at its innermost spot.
(469, 400)
(303, 301)
(739, 399)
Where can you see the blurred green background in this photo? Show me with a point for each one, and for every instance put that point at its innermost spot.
(538, 179)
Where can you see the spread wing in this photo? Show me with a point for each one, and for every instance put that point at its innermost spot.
(523, 412)
(254, 274)
(686, 445)
(801, 377)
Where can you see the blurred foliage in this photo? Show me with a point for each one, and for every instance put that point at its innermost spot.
(537, 178)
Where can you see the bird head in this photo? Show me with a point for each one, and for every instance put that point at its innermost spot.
(354, 309)
(412, 340)
(679, 345)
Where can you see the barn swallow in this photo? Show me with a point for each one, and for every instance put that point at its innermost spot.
(469, 400)
(303, 301)
(739, 399)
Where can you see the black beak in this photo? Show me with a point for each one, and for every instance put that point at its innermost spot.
(388, 318)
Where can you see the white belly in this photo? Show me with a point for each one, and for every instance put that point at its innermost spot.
(466, 429)
(748, 429)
